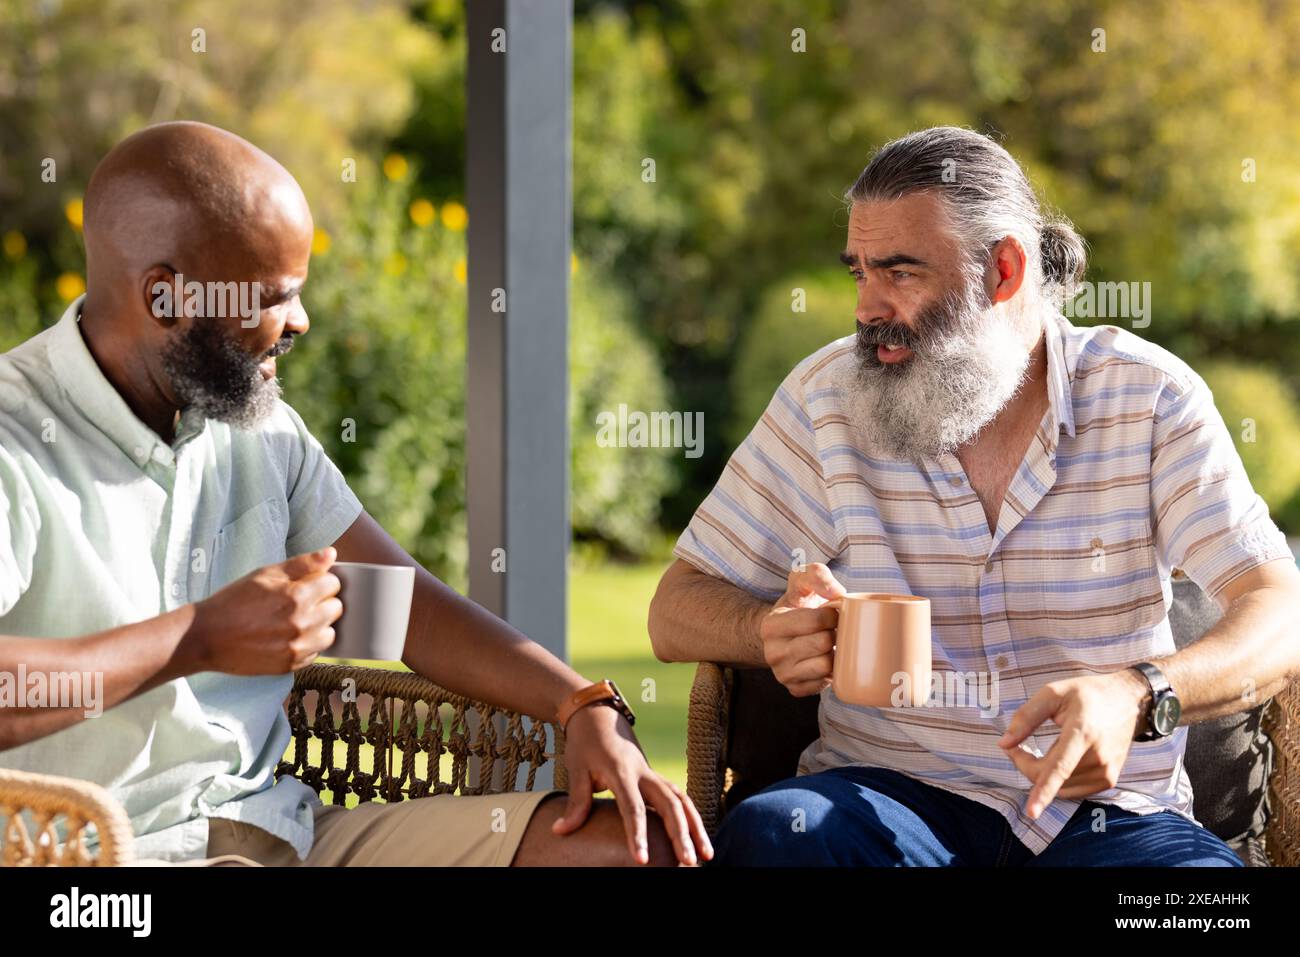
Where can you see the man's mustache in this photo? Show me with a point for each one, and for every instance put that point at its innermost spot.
(870, 336)
(281, 347)
(935, 324)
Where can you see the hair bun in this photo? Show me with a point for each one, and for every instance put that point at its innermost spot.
(1063, 256)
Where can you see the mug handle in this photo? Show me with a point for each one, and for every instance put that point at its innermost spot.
(838, 605)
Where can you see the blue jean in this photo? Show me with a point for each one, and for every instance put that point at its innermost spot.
(875, 817)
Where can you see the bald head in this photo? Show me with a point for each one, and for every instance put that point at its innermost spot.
(190, 195)
(182, 204)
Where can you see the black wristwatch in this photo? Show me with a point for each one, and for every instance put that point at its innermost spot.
(1165, 709)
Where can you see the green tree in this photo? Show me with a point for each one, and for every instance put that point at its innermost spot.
(313, 84)
(795, 317)
(615, 491)
(1264, 420)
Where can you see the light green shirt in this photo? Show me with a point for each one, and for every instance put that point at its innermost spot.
(105, 524)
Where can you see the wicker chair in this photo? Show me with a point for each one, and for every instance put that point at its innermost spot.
(415, 728)
(711, 740)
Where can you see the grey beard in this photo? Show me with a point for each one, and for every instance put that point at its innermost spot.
(211, 373)
(969, 363)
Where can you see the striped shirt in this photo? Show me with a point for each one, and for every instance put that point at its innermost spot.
(1131, 475)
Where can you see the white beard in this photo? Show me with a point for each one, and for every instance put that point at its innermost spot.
(944, 394)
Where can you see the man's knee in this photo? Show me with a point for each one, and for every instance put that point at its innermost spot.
(777, 827)
(658, 844)
(1129, 839)
(600, 842)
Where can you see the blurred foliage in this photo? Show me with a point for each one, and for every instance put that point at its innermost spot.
(1264, 421)
(312, 83)
(23, 311)
(1143, 145)
(622, 86)
(380, 376)
(615, 491)
(793, 319)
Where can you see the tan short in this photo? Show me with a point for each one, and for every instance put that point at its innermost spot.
(443, 831)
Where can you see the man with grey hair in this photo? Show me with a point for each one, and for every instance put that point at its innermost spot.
(1038, 483)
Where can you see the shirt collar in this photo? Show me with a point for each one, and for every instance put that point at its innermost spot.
(95, 397)
(1060, 376)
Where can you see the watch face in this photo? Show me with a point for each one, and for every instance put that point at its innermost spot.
(620, 703)
(1166, 714)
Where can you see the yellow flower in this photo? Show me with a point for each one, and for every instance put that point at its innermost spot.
(14, 244)
(454, 216)
(461, 271)
(73, 211)
(395, 166)
(395, 264)
(422, 212)
(573, 264)
(70, 286)
(320, 242)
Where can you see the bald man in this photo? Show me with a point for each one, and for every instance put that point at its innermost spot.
(169, 529)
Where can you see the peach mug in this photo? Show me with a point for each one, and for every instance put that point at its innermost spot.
(882, 650)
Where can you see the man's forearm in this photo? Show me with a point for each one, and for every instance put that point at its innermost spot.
(458, 644)
(1249, 655)
(696, 617)
(132, 659)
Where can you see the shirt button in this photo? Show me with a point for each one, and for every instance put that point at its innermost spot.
(1096, 543)
(988, 566)
(1000, 661)
(141, 453)
(955, 482)
(161, 455)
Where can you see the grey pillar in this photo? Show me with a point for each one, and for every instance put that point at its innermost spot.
(520, 223)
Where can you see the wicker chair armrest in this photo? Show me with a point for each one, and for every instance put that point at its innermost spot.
(1282, 834)
(708, 719)
(80, 803)
(410, 724)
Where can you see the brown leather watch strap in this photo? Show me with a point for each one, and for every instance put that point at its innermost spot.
(600, 691)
